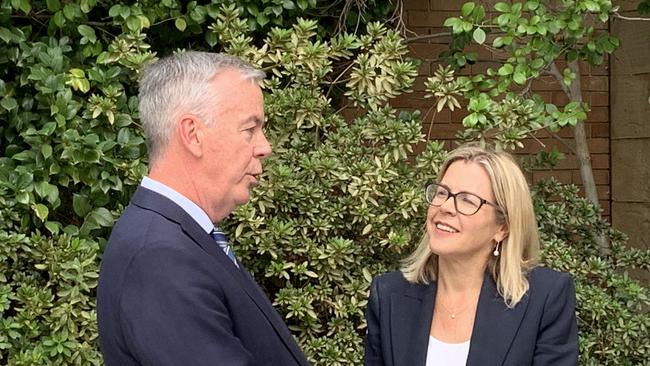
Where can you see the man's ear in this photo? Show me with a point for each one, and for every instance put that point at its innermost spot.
(190, 132)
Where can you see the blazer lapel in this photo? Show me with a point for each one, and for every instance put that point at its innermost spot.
(153, 201)
(495, 326)
(410, 324)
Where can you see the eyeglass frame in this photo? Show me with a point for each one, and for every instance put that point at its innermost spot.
(450, 195)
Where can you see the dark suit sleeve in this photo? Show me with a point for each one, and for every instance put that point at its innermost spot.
(557, 342)
(173, 312)
(373, 356)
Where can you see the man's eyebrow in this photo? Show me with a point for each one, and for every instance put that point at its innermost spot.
(255, 119)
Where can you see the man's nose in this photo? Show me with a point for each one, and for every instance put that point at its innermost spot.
(262, 148)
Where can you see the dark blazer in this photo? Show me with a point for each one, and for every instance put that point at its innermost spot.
(540, 330)
(168, 295)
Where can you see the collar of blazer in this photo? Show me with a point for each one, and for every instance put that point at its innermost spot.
(494, 326)
(153, 201)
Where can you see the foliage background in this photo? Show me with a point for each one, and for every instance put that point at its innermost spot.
(340, 200)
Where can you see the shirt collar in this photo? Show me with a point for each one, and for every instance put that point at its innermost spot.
(192, 209)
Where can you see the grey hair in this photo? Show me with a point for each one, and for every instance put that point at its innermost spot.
(182, 82)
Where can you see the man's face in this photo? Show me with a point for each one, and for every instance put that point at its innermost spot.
(234, 145)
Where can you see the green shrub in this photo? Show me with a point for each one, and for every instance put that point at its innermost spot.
(340, 200)
(612, 308)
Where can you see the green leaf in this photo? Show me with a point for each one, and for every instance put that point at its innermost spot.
(519, 77)
(69, 11)
(53, 5)
(46, 150)
(506, 70)
(8, 103)
(180, 24)
(101, 216)
(133, 23)
(452, 22)
(22, 5)
(87, 32)
(80, 204)
(479, 35)
(41, 211)
(502, 7)
(262, 19)
(288, 4)
(467, 9)
(52, 227)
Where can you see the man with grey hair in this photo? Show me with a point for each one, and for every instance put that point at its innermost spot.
(171, 291)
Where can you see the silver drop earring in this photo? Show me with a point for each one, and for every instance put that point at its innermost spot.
(496, 250)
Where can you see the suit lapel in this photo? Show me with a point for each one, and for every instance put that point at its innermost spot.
(410, 324)
(153, 201)
(495, 326)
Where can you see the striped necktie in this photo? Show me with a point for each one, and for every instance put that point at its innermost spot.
(220, 238)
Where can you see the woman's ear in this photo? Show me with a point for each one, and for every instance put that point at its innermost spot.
(501, 234)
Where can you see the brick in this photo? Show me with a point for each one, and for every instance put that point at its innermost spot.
(426, 51)
(598, 145)
(565, 133)
(433, 116)
(601, 178)
(560, 98)
(425, 68)
(547, 96)
(598, 130)
(546, 83)
(415, 100)
(437, 5)
(598, 99)
(418, 85)
(532, 146)
(441, 131)
(428, 19)
(602, 69)
(563, 176)
(458, 114)
(415, 4)
(599, 161)
(598, 114)
(595, 83)
(482, 67)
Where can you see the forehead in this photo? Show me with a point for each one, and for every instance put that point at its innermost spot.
(468, 176)
(238, 93)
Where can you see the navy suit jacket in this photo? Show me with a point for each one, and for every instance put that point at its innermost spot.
(168, 295)
(540, 330)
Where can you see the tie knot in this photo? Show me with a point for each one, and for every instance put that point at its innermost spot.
(220, 238)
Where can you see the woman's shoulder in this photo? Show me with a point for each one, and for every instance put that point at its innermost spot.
(391, 282)
(547, 278)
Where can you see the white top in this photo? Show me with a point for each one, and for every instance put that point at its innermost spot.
(447, 354)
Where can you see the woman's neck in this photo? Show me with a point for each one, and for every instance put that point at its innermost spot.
(455, 277)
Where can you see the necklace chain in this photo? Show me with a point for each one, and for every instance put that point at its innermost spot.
(453, 314)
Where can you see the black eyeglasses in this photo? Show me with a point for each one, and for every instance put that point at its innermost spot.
(465, 203)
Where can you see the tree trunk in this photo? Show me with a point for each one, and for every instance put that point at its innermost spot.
(574, 92)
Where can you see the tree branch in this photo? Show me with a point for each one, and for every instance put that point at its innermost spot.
(619, 16)
(553, 70)
(427, 36)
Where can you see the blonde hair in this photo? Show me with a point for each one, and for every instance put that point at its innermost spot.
(519, 250)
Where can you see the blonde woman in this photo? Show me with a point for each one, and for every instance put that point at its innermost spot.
(472, 292)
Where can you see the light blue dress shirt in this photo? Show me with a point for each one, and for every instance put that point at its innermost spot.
(188, 206)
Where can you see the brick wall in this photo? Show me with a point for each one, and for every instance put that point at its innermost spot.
(425, 17)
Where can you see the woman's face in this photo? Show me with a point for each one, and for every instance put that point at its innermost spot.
(454, 235)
